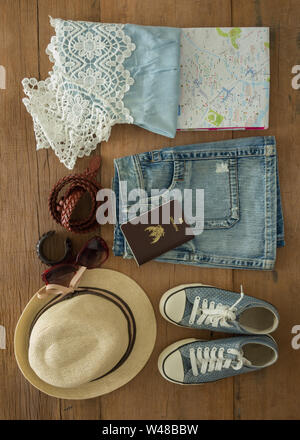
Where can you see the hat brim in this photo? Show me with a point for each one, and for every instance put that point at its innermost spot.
(141, 307)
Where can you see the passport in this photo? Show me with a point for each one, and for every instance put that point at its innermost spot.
(156, 231)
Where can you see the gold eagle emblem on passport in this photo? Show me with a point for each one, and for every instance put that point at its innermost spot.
(155, 233)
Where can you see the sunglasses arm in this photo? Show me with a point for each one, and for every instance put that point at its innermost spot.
(56, 289)
(76, 278)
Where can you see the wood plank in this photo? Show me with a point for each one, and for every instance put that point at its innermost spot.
(149, 395)
(50, 169)
(19, 200)
(274, 393)
(27, 176)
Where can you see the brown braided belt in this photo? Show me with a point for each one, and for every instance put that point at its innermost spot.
(76, 186)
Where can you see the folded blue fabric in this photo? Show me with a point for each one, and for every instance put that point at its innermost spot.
(154, 65)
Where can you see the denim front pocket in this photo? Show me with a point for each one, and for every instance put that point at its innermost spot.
(161, 176)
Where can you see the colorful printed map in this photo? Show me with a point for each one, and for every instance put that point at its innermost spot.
(225, 79)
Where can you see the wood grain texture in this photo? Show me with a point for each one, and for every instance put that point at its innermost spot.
(27, 176)
(275, 393)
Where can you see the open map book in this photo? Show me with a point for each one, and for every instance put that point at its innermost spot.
(225, 79)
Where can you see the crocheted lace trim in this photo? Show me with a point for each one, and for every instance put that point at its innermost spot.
(76, 106)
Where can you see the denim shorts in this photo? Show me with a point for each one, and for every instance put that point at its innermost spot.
(243, 220)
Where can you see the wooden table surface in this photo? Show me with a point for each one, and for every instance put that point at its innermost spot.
(26, 177)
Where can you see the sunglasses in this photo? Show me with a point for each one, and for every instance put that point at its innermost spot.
(93, 254)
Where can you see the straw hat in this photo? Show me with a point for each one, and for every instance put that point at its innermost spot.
(89, 343)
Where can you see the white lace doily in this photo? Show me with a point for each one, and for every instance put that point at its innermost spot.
(76, 106)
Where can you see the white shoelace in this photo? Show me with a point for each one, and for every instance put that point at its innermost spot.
(214, 359)
(214, 314)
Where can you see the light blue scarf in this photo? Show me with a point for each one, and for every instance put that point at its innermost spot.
(154, 66)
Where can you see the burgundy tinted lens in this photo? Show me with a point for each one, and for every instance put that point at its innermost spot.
(94, 253)
(60, 274)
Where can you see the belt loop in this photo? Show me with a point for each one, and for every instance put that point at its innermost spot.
(156, 156)
(270, 150)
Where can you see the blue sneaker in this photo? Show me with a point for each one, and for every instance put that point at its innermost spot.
(206, 307)
(191, 361)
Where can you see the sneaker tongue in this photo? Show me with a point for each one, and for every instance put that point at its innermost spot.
(236, 358)
(231, 316)
(246, 362)
(231, 356)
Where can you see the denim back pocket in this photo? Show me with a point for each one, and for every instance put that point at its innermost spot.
(218, 177)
